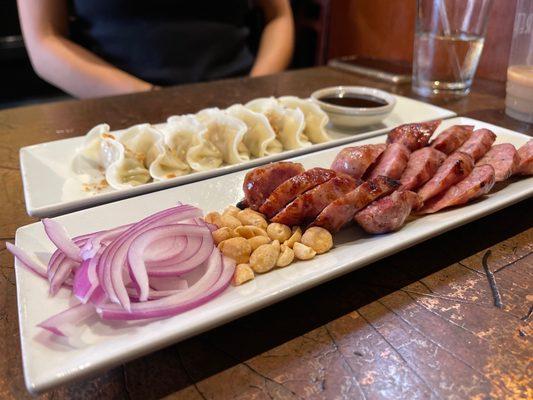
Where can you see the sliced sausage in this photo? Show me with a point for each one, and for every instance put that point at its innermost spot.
(413, 136)
(421, 167)
(260, 182)
(452, 138)
(478, 144)
(478, 183)
(392, 162)
(354, 161)
(526, 159)
(504, 158)
(292, 187)
(389, 213)
(305, 208)
(342, 210)
(454, 169)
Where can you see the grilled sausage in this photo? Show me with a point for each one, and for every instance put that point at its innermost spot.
(389, 213)
(479, 182)
(452, 138)
(504, 159)
(291, 188)
(478, 143)
(342, 210)
(392, 162)
(526, 159)
(354, 161)
(421, 167)
(308, 205)
(454, 169)
(413, 136)
(261, 181)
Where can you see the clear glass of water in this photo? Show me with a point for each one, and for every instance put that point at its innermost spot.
(448, 43)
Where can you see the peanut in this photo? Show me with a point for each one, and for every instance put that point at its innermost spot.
(264, 258)
(237, 248)
(278, 231)
(243, 273)
(319, 239)
(303, 252)
(286, 256)
(257, 241)
(222, 234)
(295, 237)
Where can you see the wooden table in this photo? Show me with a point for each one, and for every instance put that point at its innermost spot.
(419, 324)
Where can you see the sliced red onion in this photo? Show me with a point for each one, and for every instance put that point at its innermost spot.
(61, 324)
(93, 245)
(216, 278)
(27, 261)
(141, 242)
(59, 236)
(168, 283)
(114, 261)
(66, 266)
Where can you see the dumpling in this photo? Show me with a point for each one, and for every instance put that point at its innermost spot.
(259, 138)
(226, 133)
(91, 150)
(180, 133)
(204, 156)
(126, 171)
(139, 142)
(315, 119)
(288, 124)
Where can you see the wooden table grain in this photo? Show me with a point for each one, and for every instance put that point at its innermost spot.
(420, 324)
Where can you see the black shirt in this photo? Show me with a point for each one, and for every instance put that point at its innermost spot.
(166, 42)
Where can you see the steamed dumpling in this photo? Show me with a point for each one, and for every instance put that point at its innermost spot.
(204, 156)
(259, 138)
(226, 133)
(315, 119)
(179, 135)
(91, 150)
(139, 142)
(287, 123)
(127, 170)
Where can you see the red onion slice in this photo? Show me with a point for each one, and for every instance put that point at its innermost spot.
(60, 324)
(140, 243)
(27, 261)
(59, 236)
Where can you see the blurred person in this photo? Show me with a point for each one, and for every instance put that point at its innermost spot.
(91, 48)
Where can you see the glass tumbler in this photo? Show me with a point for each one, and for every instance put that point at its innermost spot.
(519, 99)
(449, 39)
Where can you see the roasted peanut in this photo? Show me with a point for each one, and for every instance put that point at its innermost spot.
(229, 221)
(278, 231)
(251, 217)
(319, 239)
(213, 218)
(222, 234)
(303, 252)
(249, 231)
(257, 241)
(264, 258)
(295, 237)
(237, 248)
(243, 273)
(231, 210)
(286, 256)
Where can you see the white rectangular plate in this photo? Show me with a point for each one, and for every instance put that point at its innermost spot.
(52, 188)
(105, 345)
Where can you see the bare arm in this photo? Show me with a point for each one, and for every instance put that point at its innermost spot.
(62, 62)
(277, 39)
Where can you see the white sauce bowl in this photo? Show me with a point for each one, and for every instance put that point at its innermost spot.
(351, 117)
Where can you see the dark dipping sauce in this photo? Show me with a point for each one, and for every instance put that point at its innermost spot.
(354, 101)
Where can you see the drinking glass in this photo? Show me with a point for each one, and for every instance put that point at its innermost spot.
(449, 39)
(519, 99)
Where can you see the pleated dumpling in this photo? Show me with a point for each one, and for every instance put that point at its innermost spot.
(130, 154)
(226, 133)
(140, 141)
(287, 123)
(92, 146)
(126, 170)
(180, 133)
(260, 138)
(315, 119)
